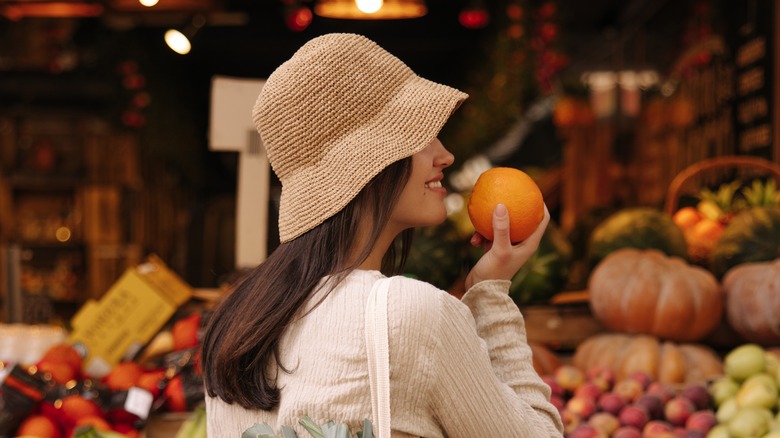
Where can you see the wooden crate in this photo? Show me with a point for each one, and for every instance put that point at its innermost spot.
(563, 323)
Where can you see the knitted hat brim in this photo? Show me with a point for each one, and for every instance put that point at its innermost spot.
(410, 120)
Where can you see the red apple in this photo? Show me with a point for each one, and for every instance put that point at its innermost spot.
(602, 376)
(588, 390)
(654, 428)
(629, 389)
(703, 420)
(569, 377)
(653, 404)
(570, 421)
(605, 422)
(627, 432)
(699, 395)
(635, 416)
(585, 430)
(664, 391)
(678, 409)
(584, 407)
(611, 402)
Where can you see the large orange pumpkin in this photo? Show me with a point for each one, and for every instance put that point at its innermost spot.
(665, 361)
(753, 301)
(645, 291)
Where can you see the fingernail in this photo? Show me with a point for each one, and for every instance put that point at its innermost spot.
(500, 210)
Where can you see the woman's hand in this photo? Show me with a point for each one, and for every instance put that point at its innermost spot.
(501, 259)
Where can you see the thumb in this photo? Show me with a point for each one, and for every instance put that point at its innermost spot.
(500, 223)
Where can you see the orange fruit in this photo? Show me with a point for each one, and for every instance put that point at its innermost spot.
(185, 332)
(61, 372)
(174, 392)
(64, 353)
(39, 426)
(686, 217)
(75, 407)
(517, 191)
(123, 376)
(150, 381)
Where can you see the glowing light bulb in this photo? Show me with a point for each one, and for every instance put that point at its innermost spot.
(148, 3)
(369, 6)
(177, 42)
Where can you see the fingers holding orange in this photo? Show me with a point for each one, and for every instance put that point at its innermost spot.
(514, 189)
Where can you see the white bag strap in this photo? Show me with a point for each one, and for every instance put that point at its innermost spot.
(379, 357)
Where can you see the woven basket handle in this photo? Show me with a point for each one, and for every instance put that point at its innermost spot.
(727, 161)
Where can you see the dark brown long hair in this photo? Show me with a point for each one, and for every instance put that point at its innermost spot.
(244, 330)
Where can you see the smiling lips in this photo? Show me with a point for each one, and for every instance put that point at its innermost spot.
(436, 186)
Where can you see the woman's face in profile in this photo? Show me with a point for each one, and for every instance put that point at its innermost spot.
(422, 201)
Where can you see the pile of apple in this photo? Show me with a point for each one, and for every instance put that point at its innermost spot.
(746, 397)
(594, 404)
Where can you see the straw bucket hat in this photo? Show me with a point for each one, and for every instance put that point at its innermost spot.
(335, 115)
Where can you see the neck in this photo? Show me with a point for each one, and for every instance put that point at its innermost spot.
(374, 259)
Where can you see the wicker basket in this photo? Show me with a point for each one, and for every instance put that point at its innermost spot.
(710, 173)
(713, 170)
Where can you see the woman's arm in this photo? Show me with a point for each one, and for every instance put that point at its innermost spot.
(484, 381)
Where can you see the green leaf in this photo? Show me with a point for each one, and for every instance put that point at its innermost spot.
(311, 427)
(288, 433)
(368, 429)
(259, 431)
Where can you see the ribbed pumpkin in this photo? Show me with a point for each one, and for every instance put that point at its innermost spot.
(753, 301)
(665, 361)
(647, 292)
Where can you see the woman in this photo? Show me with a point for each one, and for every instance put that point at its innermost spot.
(351, 133)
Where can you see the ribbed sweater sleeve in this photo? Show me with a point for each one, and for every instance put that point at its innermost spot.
(484, 381)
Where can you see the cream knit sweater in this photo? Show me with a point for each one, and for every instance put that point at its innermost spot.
(458, 368)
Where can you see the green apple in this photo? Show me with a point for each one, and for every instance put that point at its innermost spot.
(744, 361)
(719, 431)
(758, 391)
(722, 389)
(772, 361)
(726, 411)
(748, 422)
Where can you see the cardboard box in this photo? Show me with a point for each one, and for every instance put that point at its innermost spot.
(126, 318)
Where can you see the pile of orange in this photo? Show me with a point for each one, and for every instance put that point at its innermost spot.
(517, 191)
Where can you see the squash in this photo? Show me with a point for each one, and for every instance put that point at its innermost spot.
(638, 227)
(752, 235)
(664, 361)
(647, 292)
(752, 293)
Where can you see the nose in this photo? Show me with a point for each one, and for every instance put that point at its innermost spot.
(444, 158)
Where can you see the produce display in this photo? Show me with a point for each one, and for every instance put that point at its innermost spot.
(739, 401)
(55, 397)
